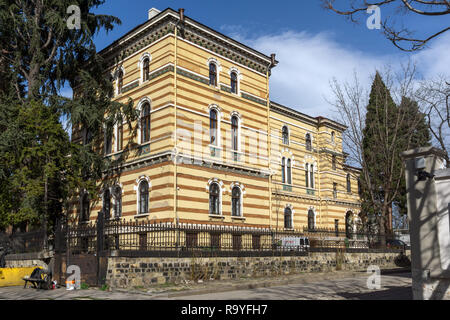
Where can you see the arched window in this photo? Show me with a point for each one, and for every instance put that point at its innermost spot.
(285, 135)
(236, 202)
(234, 83)
(119, 82)
(359, 186)
(146, 69)
(213, 127)
(283, 170)
(289, 171)
(308, 142)
(145, 123)
(334, 190)
(332, 136)
(85, 207)
(107, 204)
(311, 220)
(214, 199)
(333, 162)
(307, 175)
(117, 193)
(234, 133)
(143, 197)
(287, 218)
(213, 74)
(108, 140)
(311, 175)
(119, 139)
(349, 184)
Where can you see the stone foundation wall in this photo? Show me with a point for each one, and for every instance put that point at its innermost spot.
(143, 272)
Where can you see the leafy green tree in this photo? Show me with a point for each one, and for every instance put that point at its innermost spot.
(41, 169)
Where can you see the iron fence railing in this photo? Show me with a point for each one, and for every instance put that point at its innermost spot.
(24, 242)
(144, 238)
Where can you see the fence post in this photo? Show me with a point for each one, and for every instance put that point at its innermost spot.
(100, 231)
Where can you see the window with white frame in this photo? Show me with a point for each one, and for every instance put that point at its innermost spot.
(119, 137)
(213, 74)
(288, 218)
(236, 202)
(214, 127)
(214, 199)
(234, 82)
(107, 203)
(145, 122)
(308, 142)
(286, 170)
(143, 197)
(235, 133)
(119, 81)
(285, 135)
(108, 140)
(146, 69)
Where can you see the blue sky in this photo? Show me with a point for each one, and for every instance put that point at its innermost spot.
(312, 44)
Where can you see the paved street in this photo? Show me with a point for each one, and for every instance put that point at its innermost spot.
(393, 287)
(310, 287)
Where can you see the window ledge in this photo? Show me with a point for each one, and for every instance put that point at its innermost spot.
(216, 216)
(237, 218)
(141, 215)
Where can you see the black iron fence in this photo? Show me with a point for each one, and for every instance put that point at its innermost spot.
(131, 238)
(24, 242)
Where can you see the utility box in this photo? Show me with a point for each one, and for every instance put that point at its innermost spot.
(428, 203)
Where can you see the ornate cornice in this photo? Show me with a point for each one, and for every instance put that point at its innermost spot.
(192, 31)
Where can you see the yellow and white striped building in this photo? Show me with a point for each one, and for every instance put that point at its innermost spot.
(211, 148)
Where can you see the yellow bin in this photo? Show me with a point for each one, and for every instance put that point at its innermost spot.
(10, 277)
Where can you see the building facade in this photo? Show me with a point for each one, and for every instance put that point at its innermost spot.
(210, 147)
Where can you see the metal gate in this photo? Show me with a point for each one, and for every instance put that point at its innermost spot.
(81, 245)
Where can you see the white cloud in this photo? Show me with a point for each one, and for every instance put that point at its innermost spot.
(308, 62)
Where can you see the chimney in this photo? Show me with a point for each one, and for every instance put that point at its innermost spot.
(152, 13)
(272, 56)
(181, 12)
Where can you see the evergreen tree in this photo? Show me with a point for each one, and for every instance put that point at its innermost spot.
(415, 127)
(389, 130)
(40, 168)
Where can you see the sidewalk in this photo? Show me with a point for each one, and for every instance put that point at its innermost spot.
(178, 291)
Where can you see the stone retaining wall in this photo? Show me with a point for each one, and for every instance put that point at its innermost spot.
(144, 272)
